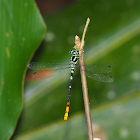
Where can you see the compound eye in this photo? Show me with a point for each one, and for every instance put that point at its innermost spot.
(70, 51)
(78, 52)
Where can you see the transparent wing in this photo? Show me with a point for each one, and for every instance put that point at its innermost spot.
(47, 66)
(98, 68)
(94, 72)
(53, 66)
(41, 74)
(43, 70)
(99, 77)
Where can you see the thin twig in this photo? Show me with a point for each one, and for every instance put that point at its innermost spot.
(86, 98)
(79, 46)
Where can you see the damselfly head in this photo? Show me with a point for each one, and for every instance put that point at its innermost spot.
(74, 52)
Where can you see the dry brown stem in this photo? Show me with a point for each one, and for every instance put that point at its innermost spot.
(80, 47)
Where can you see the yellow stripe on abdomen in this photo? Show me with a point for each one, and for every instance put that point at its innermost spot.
(67, 111)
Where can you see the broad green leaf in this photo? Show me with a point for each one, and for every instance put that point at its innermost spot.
(21, 31)
(112, 39)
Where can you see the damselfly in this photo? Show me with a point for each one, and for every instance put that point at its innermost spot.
(96, 72)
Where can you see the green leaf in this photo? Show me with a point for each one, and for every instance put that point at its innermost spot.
(21, 31)
(112, 39)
